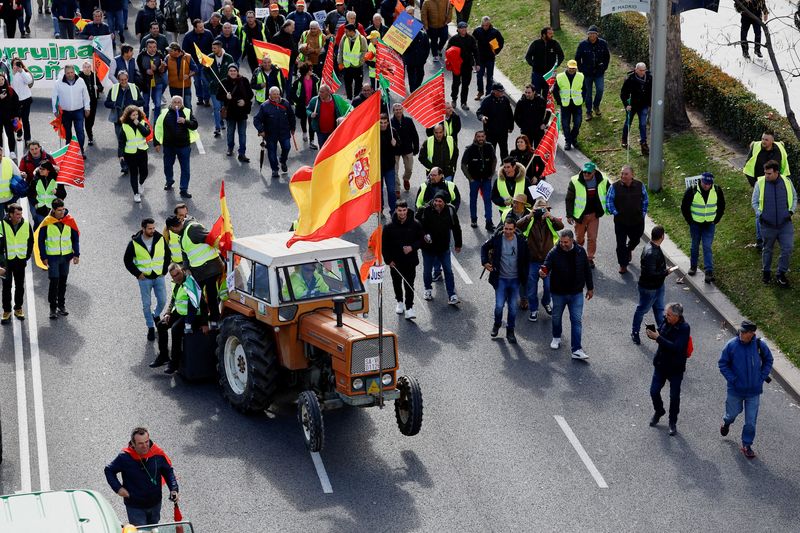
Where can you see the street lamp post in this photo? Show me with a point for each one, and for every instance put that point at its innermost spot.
(659, 67)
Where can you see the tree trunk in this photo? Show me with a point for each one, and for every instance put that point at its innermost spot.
(555, 16)
(675, 117)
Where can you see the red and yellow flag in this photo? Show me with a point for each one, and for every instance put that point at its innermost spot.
(343, 188)
(204, 60)
(280, 56)
(221, 234)
(80, 23)
(374, 255)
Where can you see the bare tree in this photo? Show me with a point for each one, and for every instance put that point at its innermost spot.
(675, 117)
(555, 15)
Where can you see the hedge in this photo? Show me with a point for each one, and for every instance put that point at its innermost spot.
(722, 99)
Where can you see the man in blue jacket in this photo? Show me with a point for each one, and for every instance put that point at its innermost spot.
(144, 467)
(275, 122)
(593, 58)
(746, 362)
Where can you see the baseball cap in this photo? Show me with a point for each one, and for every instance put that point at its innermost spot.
(274, 7)
(708, 178)
(572, 64)
(374, 34)
(746, 325)
(498, 87)
(589, 167)
(462, 24)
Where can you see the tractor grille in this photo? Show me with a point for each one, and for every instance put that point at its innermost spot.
(369, 348)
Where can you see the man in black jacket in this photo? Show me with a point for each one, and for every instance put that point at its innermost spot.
(389, 142)
(176, 130)
(593, 58)
(703, 207)
(505, 256)
(438, 220)
(415, 57)
(531, 115)
(409, 145)
(627, 200)
(569, 272)
(669, 364)
(490, 43)
(469, 62)
(440, 150)
(402, 237)
(636, 93)
(651, 282)
(16, 248)
(498, 118)
(478, 164)
(543, 55)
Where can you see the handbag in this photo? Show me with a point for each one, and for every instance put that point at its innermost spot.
(223, 112)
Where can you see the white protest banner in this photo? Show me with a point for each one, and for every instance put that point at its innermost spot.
(262, 12)
(609, 7)
(46, 58)
(691, 181)
(541, 190)
(376, 274)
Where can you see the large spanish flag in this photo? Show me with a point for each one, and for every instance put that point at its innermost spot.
(221, 234)
(280, 56)
(343, 188)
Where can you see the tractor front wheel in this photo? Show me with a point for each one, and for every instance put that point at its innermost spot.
(408, 407)
(309, 414)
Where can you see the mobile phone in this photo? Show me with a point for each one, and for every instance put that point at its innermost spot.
(650, 327)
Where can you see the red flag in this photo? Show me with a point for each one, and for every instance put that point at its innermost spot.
(58, 127)
(390, 64)
(101, 68)
(177, 516)
(329, 77)
(221, 234)
(547, 148)
(426, 104)
(374, 255)
(458, 4)
(398, 8)
(150, 135)
(70, 162)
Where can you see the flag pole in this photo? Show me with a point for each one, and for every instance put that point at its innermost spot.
(379, 261)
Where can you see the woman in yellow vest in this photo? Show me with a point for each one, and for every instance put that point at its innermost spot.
(133, 134)
(42, 190)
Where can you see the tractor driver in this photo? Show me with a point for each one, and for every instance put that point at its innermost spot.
(305, 281)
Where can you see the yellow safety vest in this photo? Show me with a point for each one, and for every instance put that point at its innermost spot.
(580, 195)
(115, 92)
(134, 140)
(58, 242)
(750, 167)
(45, 195)
(175, 247)
(5, 179)
(451, 187)
(371, 48)
(549, 226)
(17, 243)
(196, 254)
(351, 52)
(146, 263)
(300, 288)
(569, 92)
(429, 147)
(159, 130)
(704, 210)
(181, 301)
(789, 192)
(304, 39)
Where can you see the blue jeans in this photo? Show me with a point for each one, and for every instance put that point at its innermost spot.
(649, 298)
(26, 7)
(659, 379)
(272, 152)
(533, 287)
(388, 182)
(486, 69)
(74, 118)
(574, 302)
(785, 238)
(734, 405)
(322, 137)
(571, 119)
(486, 187)
(146, 288)
(507, 292)
(642, 113)
(144, 517)
(429, 259)
(201, 87)
(537, 80)
(183, 154)
(239, 126)
(598, 83)
(702, 233)
(216, 105)
(57, 266)
(154, 94)
(116, 22)
(186, 94)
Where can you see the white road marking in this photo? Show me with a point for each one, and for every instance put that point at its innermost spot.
(22, 409)
(587, 461)
(321, 473)
(200, 147)
(36, 376)
(460, 269)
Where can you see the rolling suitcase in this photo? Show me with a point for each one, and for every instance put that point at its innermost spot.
(199, 362)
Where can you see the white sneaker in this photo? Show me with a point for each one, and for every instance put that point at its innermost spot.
(427, 295)
(579, 354)
(454, 300)
(137, 198)
(555, 343)
(410, 314)
(399, 308)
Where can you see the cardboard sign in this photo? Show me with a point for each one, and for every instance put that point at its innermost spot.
(320, 16)
(376, 274)
(402, 32)
(691, 181)
(542, 189)
(262, 12)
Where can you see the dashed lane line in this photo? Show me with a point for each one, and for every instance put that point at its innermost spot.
(460, 269)
(587, 461)
(321, 473)
(22, 410)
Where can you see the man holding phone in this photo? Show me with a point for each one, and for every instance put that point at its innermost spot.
(651, 282)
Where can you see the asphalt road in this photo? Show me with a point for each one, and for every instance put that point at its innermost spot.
(492, 454)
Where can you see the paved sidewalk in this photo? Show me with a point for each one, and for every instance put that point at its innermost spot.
(784, 370)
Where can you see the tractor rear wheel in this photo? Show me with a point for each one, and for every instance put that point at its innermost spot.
(309, 414)
(408, 407)
(247, 365)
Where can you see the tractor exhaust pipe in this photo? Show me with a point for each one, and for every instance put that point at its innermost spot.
(338, 308)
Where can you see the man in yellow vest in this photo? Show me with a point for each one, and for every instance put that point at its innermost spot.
(59, 245)
(541, 229)
(7, 169)
(510, 182)
(768, 149)
(201, 259)
(173, 240)
(703, 207)
(439, 150)
(146, 258)
(183, 313)
(352, 49)
(568, 93)
(16, 247)
(586, 203)
(775, 201)
(434, 184)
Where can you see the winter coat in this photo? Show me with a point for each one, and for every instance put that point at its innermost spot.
(452, 123)
(409, 139)
(130, 255)
(439, 225)
(593, 58)
(28, 165)
(569, 270)
(276, 119)
(210, 269)
(519, 173)
(145, 17)
(302, 21)
(221, 71)
(239, 89)
(143, 61)
(202, 40)
(483, 37)
(124, 99)
(672, 343)
(543, 55)
(743, 367)
(9, 105)
(479, 161)
(70, 96)
(417, 52)
(441, 156)
(540, 238)
(468, 47)
(173, 134)
(396, 235)
(637, 90)
(593, 203)
(530, 115)
(432, 188)
(387, 150)
(688, 197)
(436, 14)
(492, 250)
(499, 113)
(138, 475)
(298, 94)
(653, 267)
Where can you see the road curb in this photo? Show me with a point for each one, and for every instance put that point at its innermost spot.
(783, 370)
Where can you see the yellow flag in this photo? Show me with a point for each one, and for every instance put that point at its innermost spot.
(205, 60)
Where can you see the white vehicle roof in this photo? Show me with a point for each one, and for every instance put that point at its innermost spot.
(270, 249)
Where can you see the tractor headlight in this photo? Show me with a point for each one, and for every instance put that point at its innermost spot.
(386, 379)
(358, 384)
